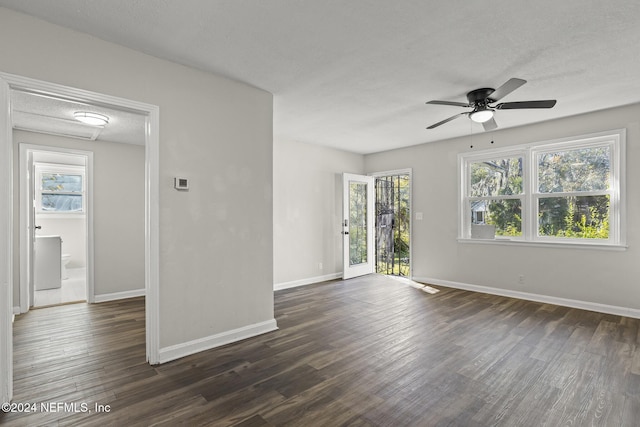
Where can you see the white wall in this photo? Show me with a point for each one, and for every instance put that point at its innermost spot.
(216, 240)
(595, 276)
(118, 215)
(307, 210)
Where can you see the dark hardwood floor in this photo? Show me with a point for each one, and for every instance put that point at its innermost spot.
(371, 351)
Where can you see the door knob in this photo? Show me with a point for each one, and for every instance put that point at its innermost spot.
(38, 227)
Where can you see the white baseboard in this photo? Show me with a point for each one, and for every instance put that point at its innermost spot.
(566, 302)
(308, 281)
(191, 347)
(120, 295)
(16, 310)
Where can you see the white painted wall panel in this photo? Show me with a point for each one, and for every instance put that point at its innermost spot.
(307, 206)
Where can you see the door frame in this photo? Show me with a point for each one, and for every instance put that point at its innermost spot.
(407, 171)
(6, 247)
(26, 206)
(152, 250)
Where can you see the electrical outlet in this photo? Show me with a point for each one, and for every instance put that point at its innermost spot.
(319, 266)
(521, 279)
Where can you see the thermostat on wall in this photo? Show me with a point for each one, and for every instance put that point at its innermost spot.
(180, 183)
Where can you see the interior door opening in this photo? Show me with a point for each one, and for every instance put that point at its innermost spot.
(393, 224)
(9, 83)
(54, 191)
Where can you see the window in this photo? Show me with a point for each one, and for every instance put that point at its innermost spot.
(567, 191)
(59, 189)
(495, 193)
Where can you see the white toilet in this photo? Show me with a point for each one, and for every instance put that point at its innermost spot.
(63, 265)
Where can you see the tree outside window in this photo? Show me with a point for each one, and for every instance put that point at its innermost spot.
(564, 192)
(495, 194)
(563, 178)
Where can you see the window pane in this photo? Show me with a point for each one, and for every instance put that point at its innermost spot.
(577, 217)
(62, 182)
(505, 215)
(496, 177)
(584, 169)
(357, 223)
(61, 202)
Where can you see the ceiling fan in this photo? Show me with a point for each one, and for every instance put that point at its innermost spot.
(482, 100)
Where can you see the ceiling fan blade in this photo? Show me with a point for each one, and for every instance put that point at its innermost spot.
(549, 103)
(490, 124)
(455, 104)
(506, 89)
(446, 120)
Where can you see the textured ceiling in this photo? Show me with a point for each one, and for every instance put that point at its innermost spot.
(46, 114)
(356, 74)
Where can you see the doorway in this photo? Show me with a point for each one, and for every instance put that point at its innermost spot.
(393, 223)
(10, 82)
(376, 224)
(56, 221)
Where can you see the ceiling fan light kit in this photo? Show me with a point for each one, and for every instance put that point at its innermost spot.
(481, 101)
(481, 116)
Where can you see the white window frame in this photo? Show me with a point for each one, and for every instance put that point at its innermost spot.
(614, 139)
(43, 168)
(488, 155)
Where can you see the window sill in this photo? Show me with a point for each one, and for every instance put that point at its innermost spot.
(564, 245)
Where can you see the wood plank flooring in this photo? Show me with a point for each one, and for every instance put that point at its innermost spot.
(370, 351)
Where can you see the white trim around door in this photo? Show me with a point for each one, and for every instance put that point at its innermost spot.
(152, 251)
(6, 243)
(26, 207)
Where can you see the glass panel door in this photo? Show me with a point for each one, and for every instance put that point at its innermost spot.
(357, 224)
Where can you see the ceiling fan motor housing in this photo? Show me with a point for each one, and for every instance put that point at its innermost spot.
(480, 96)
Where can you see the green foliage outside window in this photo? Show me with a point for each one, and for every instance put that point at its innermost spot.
(499, 177)
(506, 216)
(574, 171)
(357, 223)
(496, 186)
(574, 217)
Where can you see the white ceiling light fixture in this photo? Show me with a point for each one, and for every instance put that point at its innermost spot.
(481, 116)
(93, 119)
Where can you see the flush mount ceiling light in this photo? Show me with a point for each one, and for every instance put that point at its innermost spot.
(481, 116)
(93, 119)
